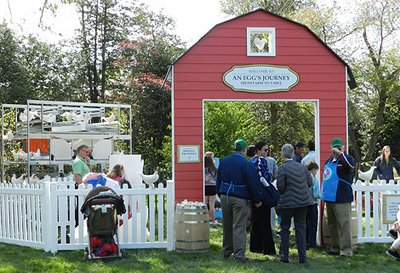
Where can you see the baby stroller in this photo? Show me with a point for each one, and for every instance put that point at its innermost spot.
(101, 207)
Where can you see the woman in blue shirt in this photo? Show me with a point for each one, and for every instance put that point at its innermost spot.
(385, 165)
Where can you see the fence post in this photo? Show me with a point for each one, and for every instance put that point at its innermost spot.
(49, 213)
(170, 214)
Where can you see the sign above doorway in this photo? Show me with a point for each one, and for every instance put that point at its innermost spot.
(261, 78)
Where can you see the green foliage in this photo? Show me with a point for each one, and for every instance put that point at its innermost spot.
(274, 122)
(143, 64)
(166, 151)
(379, 71)
(224, 122)
(52, 71)
(14, 80)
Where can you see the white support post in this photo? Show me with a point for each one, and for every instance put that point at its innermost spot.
(48, 212)
(170, 215)
(45, 214)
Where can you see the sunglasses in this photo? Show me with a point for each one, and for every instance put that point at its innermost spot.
(266, 150)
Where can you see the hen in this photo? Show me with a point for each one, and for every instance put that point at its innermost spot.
(366, 176)
(150, 179)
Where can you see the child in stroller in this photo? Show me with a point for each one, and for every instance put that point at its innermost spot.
(101, 207)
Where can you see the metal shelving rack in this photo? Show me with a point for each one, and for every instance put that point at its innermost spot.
(89, 127)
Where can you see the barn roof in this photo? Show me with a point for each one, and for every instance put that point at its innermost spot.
(351, 80)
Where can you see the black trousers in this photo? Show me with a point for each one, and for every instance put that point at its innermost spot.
(299, 215)
(261, 240)
(312, 223)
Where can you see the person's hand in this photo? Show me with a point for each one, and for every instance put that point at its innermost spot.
(258, 204)
(336, 151)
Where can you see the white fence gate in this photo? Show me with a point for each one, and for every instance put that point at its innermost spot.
(43, 216)
(376, 202)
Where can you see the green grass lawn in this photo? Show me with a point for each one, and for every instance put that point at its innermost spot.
(368, 258)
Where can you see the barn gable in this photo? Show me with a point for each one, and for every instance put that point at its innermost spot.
(199, 75)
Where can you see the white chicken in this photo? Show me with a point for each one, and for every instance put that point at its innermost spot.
(34, 179)
(150, 179)
(28, 115)
(71, 116)
(19, 180)
(36, 155)
(22, 155)
(366, 176)
(109, 119)
(50, 118)
(87, 118)
(15, 155)
(9, 135)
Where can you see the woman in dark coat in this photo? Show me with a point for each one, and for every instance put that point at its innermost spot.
(261, 240)
(294, 181)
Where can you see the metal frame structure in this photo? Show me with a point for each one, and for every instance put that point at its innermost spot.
(38, 129)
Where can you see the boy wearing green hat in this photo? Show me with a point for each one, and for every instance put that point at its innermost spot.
(338, 194)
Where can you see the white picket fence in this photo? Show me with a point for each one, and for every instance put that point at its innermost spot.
(371, 209)
(43, 216)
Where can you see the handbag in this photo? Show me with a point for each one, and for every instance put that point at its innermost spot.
(270, 195)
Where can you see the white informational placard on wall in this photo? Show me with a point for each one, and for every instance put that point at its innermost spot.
(188, 153)
(391, 204)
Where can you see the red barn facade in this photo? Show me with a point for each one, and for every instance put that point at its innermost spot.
(231, 62)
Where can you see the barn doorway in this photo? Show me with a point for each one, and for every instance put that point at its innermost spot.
(275, 121)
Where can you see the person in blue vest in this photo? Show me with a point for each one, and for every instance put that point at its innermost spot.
(337, 193)
(237, 183)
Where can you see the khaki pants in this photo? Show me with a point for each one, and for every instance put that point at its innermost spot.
(234, 212)
(339, 225)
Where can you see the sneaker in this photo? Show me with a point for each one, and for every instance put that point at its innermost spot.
(393, 254)
(215, 223)
(392, 233)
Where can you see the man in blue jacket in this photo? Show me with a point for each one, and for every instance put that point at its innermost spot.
(237, 183)
(338, 194)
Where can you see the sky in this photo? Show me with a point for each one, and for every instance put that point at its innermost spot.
(193, 18)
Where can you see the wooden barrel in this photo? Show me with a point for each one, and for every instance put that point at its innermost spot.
(353, 224)
(192, 229)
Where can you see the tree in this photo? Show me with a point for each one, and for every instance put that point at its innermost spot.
(52, 71)
(104, 24)
(379, 22)
(14, 81)
(142, 67)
